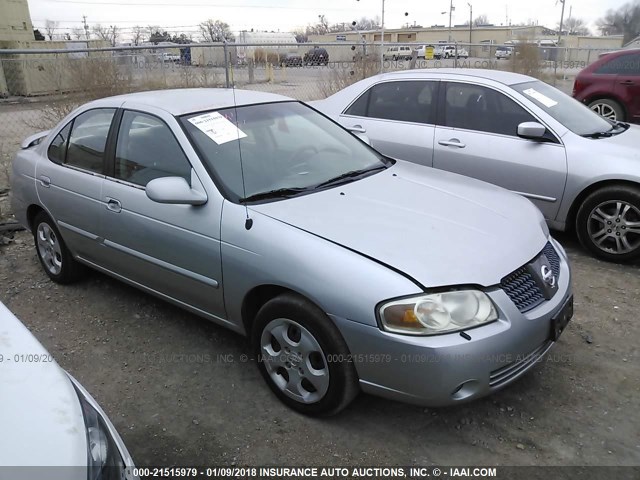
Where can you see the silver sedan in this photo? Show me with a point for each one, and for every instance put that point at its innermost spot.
(582, 171)
(347, 270)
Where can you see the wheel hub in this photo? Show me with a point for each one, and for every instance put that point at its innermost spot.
(614, 227)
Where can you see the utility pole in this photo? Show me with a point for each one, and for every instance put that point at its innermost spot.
(86, 27)
(561, 21)
(382, 39)
(450, 12)
(470, 23)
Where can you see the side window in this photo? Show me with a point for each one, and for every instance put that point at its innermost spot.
(88, 139)
(147, 149)
(622, 65)
(409, 101)
(483, 109)
(57, 151)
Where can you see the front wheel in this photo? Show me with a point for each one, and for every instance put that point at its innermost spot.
(608, 223)
(302, 356)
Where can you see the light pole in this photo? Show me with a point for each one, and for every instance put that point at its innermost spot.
(381, 38)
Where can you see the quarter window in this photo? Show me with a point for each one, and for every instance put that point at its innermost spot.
(473, 107)
(409, 101)
(57, 151)
(88, 139)
(146, 149)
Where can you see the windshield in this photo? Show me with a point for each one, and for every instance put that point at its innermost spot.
(284, 146)
(569, 112)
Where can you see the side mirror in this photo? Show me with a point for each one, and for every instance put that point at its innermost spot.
(174, 190)
(532, 130)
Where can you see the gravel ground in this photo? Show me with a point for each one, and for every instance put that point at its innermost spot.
(178, 391)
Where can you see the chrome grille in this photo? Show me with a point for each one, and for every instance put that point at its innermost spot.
(522, 288)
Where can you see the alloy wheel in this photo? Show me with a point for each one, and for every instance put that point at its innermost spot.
(604, 110)
(614, 227)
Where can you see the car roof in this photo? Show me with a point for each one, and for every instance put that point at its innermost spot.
(507, 78)
(188, 100)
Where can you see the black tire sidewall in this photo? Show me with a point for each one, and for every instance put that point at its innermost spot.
(624, 193)
(342, 376)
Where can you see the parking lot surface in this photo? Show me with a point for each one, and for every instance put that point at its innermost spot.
(181, 391)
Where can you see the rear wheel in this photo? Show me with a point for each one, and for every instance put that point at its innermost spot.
(608, 223)
(302, 356)
(609, 109)
(54, 256)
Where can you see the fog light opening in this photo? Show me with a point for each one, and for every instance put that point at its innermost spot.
(465, 390)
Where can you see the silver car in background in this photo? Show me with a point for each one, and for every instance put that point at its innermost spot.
(582, 171)
(346, 269)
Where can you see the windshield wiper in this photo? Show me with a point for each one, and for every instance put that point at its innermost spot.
(598, 134)
(277, 193)
(348, 175)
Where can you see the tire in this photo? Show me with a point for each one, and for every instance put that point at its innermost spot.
(55, 258)
(298, 324)
(609, 109)
(608, 223)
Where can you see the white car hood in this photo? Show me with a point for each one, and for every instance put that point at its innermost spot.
(40, 414)
(624, 144)
(437, 227)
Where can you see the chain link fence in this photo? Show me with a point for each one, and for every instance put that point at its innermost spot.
(39, 87)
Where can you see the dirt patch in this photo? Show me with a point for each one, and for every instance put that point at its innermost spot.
(176, 388)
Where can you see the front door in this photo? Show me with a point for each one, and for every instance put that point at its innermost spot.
(171, 249)
(477, 137)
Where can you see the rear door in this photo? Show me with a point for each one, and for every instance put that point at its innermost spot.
(172, 249)
(398, 117)
(69, 181)
(477, 137)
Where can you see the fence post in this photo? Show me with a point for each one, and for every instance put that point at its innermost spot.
(226, 63)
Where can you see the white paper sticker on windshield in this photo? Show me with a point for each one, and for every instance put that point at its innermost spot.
(217, 127)
(543, 99)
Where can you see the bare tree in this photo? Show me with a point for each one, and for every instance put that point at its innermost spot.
(78, 33)
(368, 23)
(575, 26)
(152, 30)
(215, 31)
(50, 27)
(481, 20)
(624, 21)
(108, 34)
(138, 34)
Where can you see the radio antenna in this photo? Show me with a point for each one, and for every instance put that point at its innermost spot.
(248, 223)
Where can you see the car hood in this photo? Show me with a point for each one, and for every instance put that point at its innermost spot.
(436, 227)
(625, 143)
(40, 413)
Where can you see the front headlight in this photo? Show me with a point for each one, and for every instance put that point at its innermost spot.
(436, 313)
(103, 457)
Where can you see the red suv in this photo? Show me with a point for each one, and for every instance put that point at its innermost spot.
(611, 86)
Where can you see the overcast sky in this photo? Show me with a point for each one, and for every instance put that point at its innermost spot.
(286, 15)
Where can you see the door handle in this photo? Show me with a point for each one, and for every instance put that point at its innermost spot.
(454, 142)
(357, 129)
(627, 82)
(114, 205)
(45, 181)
